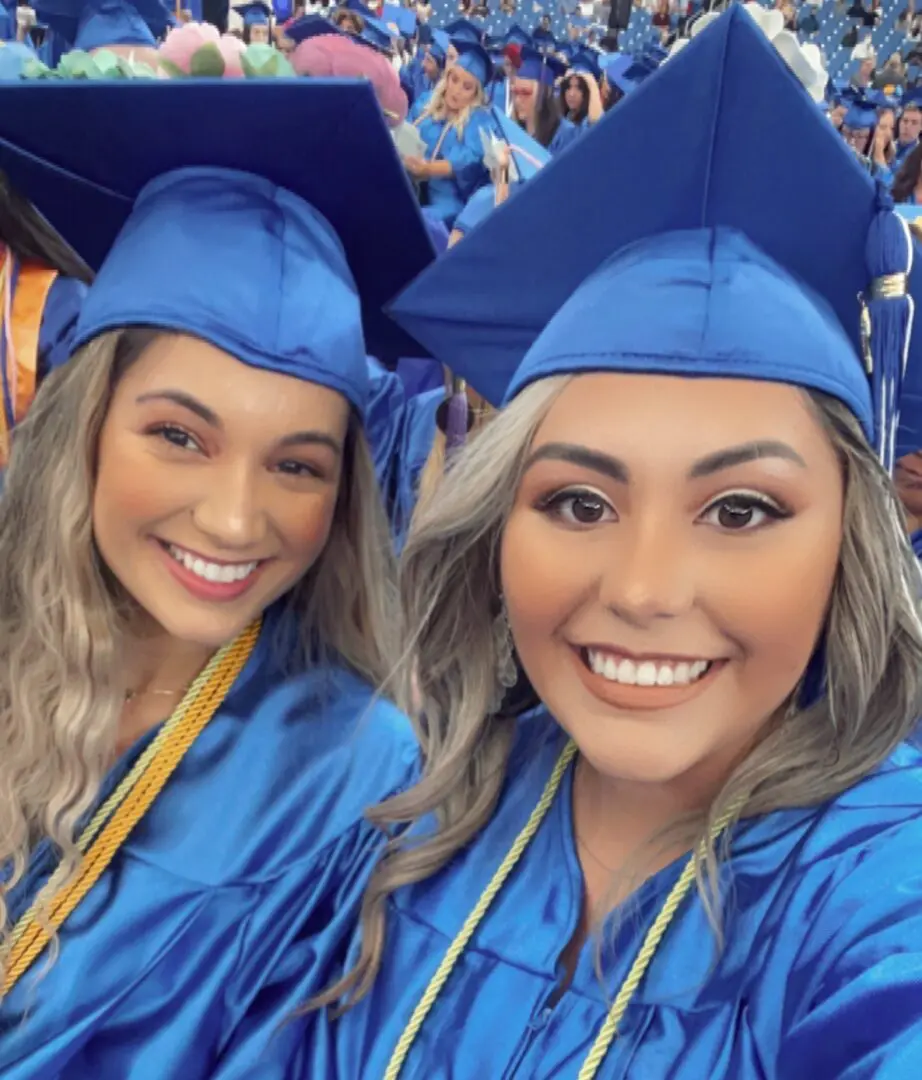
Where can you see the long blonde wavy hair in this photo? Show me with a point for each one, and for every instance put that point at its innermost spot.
(438, 110)
(447, 678)
(62, 613)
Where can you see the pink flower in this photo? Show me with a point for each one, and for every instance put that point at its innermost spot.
(335, 56)
(184, 42)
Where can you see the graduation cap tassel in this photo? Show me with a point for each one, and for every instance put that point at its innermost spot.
(457, 422)
(887, 314)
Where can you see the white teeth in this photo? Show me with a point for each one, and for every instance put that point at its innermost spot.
(220, 573)
(646, 672)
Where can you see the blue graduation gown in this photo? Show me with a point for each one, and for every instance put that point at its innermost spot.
(821, 975)
(401, 429)
(566, 133)
(447, 195)
(256, 832)
(916, 541)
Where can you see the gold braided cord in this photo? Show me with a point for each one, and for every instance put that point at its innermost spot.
(651, 942)
(487, 897)
(117, 817)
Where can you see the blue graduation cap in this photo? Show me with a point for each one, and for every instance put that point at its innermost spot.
(543, 39)
(310, 26)
(475, 59)
(913, 97)
(527, 153)
(97, 24)
(627, 77)
(376, 34)
(860, 117)
(540, 67)
(399, 19)
(714, 277)
(586, 62)
(438, 46)
(256, 13)
(464, 30)
(213, 227)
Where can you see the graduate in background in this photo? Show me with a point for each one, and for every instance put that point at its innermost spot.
(191, 515)
(421, 75)
(126, 27)
(699, 856)
(43, 285)
(450, 126)
(257, 22)
(534, 101)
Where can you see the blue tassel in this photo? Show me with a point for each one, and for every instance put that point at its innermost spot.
(887, 320)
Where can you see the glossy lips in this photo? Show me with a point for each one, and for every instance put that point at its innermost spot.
(207, 579)
(636, 683)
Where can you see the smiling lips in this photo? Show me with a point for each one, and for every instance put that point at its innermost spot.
(643, 683)
(207, 579)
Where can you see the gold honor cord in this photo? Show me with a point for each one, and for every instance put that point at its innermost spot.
(115, 819)
(634, 977)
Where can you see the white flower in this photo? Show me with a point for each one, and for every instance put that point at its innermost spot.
(806, 61)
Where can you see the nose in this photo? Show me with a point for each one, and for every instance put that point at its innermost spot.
(231, 511)
(649, 572)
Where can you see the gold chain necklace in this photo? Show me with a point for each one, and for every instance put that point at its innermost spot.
(634, 977)
(115, 819)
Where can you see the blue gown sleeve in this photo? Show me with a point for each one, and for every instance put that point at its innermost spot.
(59, 321)
(466, 156)
(859, 1014)
(478, 207)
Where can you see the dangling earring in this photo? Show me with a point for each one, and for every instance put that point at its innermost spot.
(506, 670)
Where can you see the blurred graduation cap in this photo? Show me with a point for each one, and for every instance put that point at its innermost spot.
(464, 30)
(475, 59)
(515, 35)
(861, 116)
(377, 34)
(586, 62)
(713, 276)
(878, 99)
(438, 46)
(256, 13)
(214, 227)
(96, 24)
(528, 154)
(310, 26)
(913, 97)
(540, 67)
(400, 20)
(627, 77)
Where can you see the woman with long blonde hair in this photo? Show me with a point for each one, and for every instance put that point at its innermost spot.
(195, 572)
(663, 646)
(450, 125)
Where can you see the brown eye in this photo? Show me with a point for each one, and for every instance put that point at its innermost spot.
(580, 507)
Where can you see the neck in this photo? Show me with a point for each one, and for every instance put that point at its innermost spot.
(158, 669)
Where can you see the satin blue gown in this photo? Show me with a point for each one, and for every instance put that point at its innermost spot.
(256, 835)
(820, 978)
(447, 195)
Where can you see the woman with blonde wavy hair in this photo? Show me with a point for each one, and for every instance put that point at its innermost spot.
(195, 573)
(450, 123)
(663, 647)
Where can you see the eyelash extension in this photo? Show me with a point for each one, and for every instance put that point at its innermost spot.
(768, 507)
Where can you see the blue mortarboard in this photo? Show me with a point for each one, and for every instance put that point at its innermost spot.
(540, 66)
(256, 13)
(543, 39)
(464, 30)
(310, 26)
(860, 117)
(913, 97)
(628, 78)
(877, 99)
(585, 62)
(475, 59)
(399, 19)
(713, 276)
(528, 154)
(439, 45)
(96, 24)
(213, 227)
(376, 34)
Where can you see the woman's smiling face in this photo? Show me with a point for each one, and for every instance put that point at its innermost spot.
(668, 564)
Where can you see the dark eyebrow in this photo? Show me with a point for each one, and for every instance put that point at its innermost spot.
(740, 455)
(186, 401)
(617, 470)
(312, 438)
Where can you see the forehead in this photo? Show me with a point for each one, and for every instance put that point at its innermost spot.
(680, 418)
